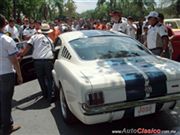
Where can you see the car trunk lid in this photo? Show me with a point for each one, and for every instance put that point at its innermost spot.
(141, 78)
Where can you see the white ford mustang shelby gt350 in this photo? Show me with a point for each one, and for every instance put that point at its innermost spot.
(104, 76)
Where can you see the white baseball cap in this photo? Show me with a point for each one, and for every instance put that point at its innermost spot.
(153, 14)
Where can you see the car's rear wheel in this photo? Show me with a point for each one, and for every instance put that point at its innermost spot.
(66, 113)
(55, 93)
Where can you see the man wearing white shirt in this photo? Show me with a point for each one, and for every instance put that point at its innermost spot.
(29, 31)
(157, 36)
(131, 28)
(43, 59)
(12, 30)
(118, 25)
(23, 27)
(8, 65)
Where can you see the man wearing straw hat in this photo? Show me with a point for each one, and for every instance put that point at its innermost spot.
(43, 59)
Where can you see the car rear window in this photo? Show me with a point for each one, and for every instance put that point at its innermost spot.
(107, 47)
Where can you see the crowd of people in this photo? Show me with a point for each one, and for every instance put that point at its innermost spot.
(41, 35)
(136, 29)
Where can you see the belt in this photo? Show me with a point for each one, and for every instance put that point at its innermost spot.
(157, 48)
(43, 59)
(6, 74)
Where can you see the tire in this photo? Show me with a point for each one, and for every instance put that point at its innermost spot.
(67, 115)
(55, 92)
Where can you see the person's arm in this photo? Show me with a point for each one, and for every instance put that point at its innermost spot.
(162, 31)
(30, 43)
(165, 42)
(134, 26)
(26, 50)
(16, 65)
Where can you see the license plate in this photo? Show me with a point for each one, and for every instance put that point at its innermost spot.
(144, 110)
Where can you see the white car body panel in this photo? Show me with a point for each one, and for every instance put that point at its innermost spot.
(79, 77)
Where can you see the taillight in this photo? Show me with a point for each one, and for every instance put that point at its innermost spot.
(95, 98)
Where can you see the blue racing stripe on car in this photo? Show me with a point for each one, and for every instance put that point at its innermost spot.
(157, 78)
(134, 80)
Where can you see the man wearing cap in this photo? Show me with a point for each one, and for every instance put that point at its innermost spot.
(43, 59)
(118, 25)
(157, 37)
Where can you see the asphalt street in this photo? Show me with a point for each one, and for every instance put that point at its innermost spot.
(38, 117)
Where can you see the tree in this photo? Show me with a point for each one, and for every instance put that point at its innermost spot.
(170, 9)
(70, 9)
(178, 8)
(101, 12)
(59, 5)
(100, 2)
(6, 8)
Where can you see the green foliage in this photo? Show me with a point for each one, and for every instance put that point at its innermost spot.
(70, 9)
(170, 9)
(135, 8)
(37, 9)
(49, 9)
(6, 8)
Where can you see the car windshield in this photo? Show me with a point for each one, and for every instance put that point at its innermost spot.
(175, 24)
(107, 47)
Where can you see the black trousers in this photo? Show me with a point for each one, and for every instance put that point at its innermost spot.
(7, 82)
(158, 51)
(43, 69)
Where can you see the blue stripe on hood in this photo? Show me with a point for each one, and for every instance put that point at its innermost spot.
(157, 78)
(134, 80)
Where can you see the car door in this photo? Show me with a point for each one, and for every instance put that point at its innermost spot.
(26, 64)
(57, 46)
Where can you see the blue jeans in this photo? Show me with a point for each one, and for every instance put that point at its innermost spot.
(43, 69)
(7, 82)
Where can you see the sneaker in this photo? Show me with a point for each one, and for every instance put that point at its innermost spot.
(14, 128)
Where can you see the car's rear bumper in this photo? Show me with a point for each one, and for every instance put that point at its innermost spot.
(89, 110)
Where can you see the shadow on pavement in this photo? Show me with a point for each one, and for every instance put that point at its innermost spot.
(162, 120)
(32, 102)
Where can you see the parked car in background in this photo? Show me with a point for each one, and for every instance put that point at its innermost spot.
(104, 76)
(173, 23)
(176, 46)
